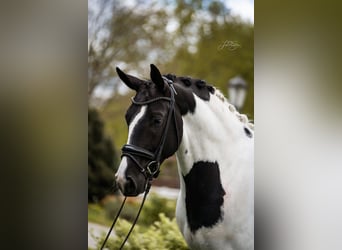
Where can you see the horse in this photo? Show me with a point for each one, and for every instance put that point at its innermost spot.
(214, 147)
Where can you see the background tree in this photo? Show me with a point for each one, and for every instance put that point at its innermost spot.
(102, 159)
(125, 34)
(216, 63)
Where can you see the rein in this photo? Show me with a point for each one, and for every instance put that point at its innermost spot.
(135, 220)
(152, 169)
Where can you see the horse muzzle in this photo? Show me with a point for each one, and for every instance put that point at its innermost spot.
(130, 183)
(128, 187)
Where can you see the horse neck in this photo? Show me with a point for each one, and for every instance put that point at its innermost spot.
(211, 133)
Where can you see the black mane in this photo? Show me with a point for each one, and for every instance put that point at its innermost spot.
(199, 87)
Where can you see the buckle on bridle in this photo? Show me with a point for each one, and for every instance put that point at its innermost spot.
(153, 169)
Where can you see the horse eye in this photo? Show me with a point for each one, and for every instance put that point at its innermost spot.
(157, 120)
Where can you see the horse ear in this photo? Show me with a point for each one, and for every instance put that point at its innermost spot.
(156, 77)
(131, 81)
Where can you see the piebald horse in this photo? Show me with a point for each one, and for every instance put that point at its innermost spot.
(214, 146)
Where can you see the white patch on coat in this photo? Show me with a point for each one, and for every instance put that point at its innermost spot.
(215, 133)
(120, 174)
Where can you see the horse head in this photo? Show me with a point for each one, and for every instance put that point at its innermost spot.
(154, 131)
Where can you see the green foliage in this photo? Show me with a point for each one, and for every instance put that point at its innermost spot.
(128, 213)
(217, 64)
(153, 206)
(162, 235)
(150, 213)
(97, 214)
(102, 159)
(156, 228)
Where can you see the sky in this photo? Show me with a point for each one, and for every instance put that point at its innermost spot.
(243, 8)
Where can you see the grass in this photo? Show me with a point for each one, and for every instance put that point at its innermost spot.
(98, 215)
(103, 213)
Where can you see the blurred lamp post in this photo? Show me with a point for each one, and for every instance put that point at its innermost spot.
(237, 89)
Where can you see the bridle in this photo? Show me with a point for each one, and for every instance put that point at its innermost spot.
(152, 168)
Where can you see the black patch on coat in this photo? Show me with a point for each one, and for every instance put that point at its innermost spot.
(186, 87)
(198, 87)
(248, 132)
(204, 195)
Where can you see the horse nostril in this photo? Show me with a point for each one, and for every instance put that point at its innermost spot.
(130, 185)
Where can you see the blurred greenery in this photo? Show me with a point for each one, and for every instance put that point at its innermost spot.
(102, 159)
(217, 63)
(104, 212)
(163, 234)
(154, 206)
(127, 35)
(97, 214)
(113, 113)
(156, 229)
